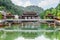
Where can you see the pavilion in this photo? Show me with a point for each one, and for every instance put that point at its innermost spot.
(29, 24)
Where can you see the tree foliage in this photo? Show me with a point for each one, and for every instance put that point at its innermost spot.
(1, 16)
(54, 11)
(10, 7)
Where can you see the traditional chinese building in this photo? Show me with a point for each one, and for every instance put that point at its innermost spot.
(9, 16)
(51, 22)
(29, 15)
(2, 24)
(49, 16)
(29, 23)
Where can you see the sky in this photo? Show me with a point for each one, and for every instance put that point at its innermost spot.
(45, 4)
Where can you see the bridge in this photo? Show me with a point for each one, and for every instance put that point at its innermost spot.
(37, 20)
(40, 20)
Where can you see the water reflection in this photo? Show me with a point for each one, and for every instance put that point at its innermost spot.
(30, 36)
(42, 37)
(19, 38)
(52, 35)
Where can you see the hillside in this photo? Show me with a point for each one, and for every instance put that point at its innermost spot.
(54, 11)
(34, 8)
(8, 6)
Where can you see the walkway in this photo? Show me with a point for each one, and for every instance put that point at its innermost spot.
(29, 30)
(40, 20)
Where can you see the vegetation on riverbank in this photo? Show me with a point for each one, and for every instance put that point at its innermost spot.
(54, 11)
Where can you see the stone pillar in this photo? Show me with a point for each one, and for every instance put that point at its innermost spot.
(22, 25)
(38, 25)
(30, 25)
(33, 25)
(26, 25)
(9, 24)
(54, 25)
(49, 25)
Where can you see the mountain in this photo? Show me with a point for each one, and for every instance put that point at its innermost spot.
(14, 9)
(10, 7)
(34, 8)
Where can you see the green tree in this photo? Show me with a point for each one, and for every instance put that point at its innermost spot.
(1, 15)
(10, 7)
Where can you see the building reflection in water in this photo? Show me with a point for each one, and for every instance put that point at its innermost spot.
(30, 36)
